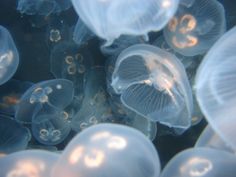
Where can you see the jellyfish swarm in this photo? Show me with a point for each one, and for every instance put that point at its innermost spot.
(110, 19)
(108, 150)
(201, 162)
(195, 28)
(95, 108)
(215, 87)
(9, 58)
(29, 163)
(43, 106)
(14, 137)
(153, 83)
(10, 94)
(42, 7)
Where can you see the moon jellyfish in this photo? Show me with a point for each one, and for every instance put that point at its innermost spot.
(69, 61)
(43, 106)
(153, 83)
(210, 139)
(81, 34)
(42, 7)
(195, 28)
(215, 88)
(110, 19)
(10, 94)
(95, 108)
(201, 162)
(9, 58)
(108, 150)
(14, 137)
(28, 163)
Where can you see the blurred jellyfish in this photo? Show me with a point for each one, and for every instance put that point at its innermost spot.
(82, 34)
(110, 19)
(10, 94)
(210, 139)
(95, 108)
(153, 83)
(69, 61)
(215, 88)
(199, 162)
(28, 163)
(9, 58)
(195, 28)
(42, 7)
(108, 150)
(43, 106)
(14, 137)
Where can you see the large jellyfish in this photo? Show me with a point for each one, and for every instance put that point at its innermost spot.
(29, 163)
(108, 150)
(215, 87)
(43, 106)
(153, 83)
(9, 58)
(42, 7)
(201, 162)
(14, 137)
(110, 19)
(195, 27)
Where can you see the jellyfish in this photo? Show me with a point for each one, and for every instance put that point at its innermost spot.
(201, 162)
(42, 7)
(82, 34)
(110, 19)
(153, 83)
(69, 61)
(9, 58)
(42, 106)
(195, 27)
(215, 88)
(108, 150)
(10, 94)
(210, 139)
(28, 163)
(14, 137)
(95, 108)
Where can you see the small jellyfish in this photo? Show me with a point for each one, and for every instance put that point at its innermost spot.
(95, 107)
(46, 92)
(215, 87)
(10, 94)
(153, 83)
(14, 137)
(199, 162)
(108, 150)
(42, 7)
(28, 163)
(195, 27)
(82, 34)
(69, 61)
(210, 139)
(110, 19)
(9, 58)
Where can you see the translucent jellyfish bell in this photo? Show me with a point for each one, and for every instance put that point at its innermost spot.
(9, 58)
(14, 137)
(199, 162)
(195, 27)
(153, 83)
(215, 87)
(42, 7)
(108, 150)
(109, 19)
(28, 163)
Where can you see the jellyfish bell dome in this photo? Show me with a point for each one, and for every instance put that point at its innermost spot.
(215, 87)
(109, 19)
